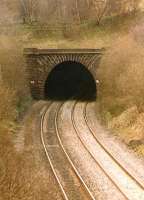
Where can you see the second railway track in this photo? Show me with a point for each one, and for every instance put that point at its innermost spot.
(121, 178)
(139, 182)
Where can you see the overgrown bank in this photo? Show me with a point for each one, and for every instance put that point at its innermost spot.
(14, 91)
(121, 90)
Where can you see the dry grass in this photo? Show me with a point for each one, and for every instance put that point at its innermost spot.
(13, 88)
(128, 125)
(7, 103)
(130, 128)
(121, 90)
(20, 177)
(15, 179)
(121, 72)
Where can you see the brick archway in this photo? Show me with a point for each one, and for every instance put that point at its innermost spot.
(40, 63)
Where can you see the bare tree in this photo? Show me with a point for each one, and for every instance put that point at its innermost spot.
(64, 11)
(78, 11)
(9, 12)
(121, 7)
(29, 10)
(100, 9)
(135, 5)
(1, 78)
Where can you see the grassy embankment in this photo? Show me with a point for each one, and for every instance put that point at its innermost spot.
(121, 91)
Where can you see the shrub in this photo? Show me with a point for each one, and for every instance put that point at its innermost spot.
(14, 87)
(8, 103)
(121, 74)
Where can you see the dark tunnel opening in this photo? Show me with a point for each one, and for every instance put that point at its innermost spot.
(70, 80)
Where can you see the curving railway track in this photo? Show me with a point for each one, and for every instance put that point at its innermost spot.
(69, 178)
(139, 182)
(127, 184)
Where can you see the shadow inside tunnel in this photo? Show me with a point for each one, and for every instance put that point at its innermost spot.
(70, 80)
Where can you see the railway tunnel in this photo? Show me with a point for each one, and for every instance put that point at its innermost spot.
(70, 79)
(61, 74)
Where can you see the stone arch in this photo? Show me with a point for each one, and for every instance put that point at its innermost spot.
(70, 79)
(49, 62)
(40, 63)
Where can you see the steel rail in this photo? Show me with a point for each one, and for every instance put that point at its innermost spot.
(47, 154)
(69, 159)
(92, 156)
(107, 151)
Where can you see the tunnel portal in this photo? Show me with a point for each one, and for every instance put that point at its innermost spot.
(70, 80)
(62, 73)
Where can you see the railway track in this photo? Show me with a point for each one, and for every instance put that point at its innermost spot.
(125, 190)
(68, 178)
(139, 182)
